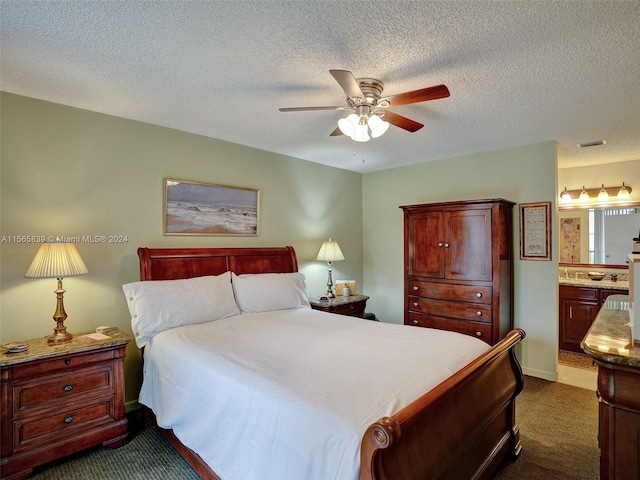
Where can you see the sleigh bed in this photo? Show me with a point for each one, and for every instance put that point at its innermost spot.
(461, 427)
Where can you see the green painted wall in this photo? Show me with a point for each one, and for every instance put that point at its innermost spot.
(522, 175)
(72, 172)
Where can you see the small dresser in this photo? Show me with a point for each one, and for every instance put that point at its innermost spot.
(59, 400)
(353, 305)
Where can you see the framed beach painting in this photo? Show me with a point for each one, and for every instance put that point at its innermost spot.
(195, 208)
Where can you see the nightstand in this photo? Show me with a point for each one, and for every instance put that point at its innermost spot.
(353, 305)
(59, 400)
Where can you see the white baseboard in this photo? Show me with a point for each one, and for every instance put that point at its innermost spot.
(551, 376)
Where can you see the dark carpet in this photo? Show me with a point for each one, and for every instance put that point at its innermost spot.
(147, 456)
(558, 431)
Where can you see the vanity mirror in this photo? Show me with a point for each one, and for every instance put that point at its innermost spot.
(598, 236)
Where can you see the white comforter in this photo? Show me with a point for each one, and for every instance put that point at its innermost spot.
(287, 395)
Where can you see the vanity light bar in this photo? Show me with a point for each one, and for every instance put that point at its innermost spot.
(567, 196)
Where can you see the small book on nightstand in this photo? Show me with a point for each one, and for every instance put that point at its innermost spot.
(93, 337)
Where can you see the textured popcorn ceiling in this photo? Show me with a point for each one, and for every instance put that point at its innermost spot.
(519, 72)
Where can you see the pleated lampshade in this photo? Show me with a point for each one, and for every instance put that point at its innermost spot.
(56, 260)
(330, 252)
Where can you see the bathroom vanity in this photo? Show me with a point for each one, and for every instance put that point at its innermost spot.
(580, 300)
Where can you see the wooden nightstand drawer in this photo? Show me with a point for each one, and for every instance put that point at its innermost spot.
(353, 309)
(68, 421)
(43, 394)
(60, 364)
(442, 308)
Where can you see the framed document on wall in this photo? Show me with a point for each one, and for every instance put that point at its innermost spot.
(535, 231)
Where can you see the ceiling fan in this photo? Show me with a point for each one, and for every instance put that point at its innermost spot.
(370, 117)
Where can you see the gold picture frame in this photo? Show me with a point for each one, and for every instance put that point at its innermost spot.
(197, 208)
(535, 231)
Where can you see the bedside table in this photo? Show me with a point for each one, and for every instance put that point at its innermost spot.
(59, 400)
(353, 305)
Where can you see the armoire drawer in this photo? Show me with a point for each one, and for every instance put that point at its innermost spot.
(448, 291)
(442, 308)
(474, 329)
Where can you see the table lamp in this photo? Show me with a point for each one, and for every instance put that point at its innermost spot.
(57, 260)
(330, 252)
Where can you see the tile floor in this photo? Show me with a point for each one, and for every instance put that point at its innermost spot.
(578, 377)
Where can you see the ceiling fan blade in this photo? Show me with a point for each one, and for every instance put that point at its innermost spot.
(302, 109)
(415, 96)
(400, 121)
(348, 83)
(336, 132)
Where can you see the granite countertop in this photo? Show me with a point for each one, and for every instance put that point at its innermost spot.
(609, 339)
(39, 349)
(587, 282)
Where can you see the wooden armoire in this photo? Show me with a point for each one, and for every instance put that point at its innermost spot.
(458, 260)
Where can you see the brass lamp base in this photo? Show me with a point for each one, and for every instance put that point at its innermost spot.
(60, 335)
(59, 338)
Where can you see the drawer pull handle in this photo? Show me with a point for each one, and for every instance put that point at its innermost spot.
(415, 304)
(479, 313)
(446, 245)
(68, 419)
(415, 289)
(415, 322)
(479, 295)
(68, 388)
(478, 334)
(67, 361)
(440, 244)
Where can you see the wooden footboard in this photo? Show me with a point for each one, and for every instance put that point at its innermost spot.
(462, 429)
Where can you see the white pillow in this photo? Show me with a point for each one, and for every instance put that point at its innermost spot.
(264, 292)
(159, 305)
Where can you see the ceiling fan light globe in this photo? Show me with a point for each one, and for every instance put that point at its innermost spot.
(348, 125)
(377, 126)
(361, 134)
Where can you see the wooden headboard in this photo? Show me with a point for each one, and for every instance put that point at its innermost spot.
(175, 263)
